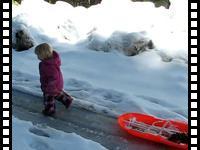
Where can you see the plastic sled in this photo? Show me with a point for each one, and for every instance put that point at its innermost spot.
(156, 129)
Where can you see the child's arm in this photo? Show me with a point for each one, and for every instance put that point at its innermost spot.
(48, 79)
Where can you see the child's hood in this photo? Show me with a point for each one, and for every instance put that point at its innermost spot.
(54, 60)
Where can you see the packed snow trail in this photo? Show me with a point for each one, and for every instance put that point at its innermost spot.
(88, 124)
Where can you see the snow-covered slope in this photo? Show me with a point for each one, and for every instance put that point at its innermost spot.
(40, 137)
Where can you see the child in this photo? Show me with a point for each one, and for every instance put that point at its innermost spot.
(51, 78)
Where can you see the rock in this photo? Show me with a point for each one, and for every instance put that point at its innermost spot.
(138, 47)
(157, 3)
(128, 43)
(21, 36)
(23, 41)
(88, 3)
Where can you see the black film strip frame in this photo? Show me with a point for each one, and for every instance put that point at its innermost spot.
(6, 66)
(192, 73)
(6, 80)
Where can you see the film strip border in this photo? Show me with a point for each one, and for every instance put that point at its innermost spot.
(6, 53)
(6, 50)
(193, 76)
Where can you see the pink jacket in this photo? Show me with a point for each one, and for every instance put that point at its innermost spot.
(51, 78)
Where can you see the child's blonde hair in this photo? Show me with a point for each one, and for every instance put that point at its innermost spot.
(44, 51)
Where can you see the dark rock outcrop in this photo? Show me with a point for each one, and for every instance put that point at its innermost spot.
(23, 41)
(157, 3)
(21, 36)
(88, 3)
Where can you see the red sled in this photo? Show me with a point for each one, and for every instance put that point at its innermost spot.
(169, 132)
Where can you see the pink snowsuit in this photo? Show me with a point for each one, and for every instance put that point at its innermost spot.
(51, 76)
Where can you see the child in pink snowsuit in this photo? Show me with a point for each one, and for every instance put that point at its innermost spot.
(51, 78)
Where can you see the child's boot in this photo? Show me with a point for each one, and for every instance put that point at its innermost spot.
(65, 99)
(49, 104)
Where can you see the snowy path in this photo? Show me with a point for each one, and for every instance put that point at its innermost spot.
(90, 125)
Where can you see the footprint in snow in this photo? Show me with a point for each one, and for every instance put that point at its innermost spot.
(110, 95)
(39, 145)
(155, 100)
(78, 85)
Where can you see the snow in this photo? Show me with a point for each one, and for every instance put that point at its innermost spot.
(111, 81)
(40, 137)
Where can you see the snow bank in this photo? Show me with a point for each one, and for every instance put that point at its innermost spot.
(61, 22)
(27, 136)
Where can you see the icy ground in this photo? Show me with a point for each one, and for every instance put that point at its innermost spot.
(90, 125)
